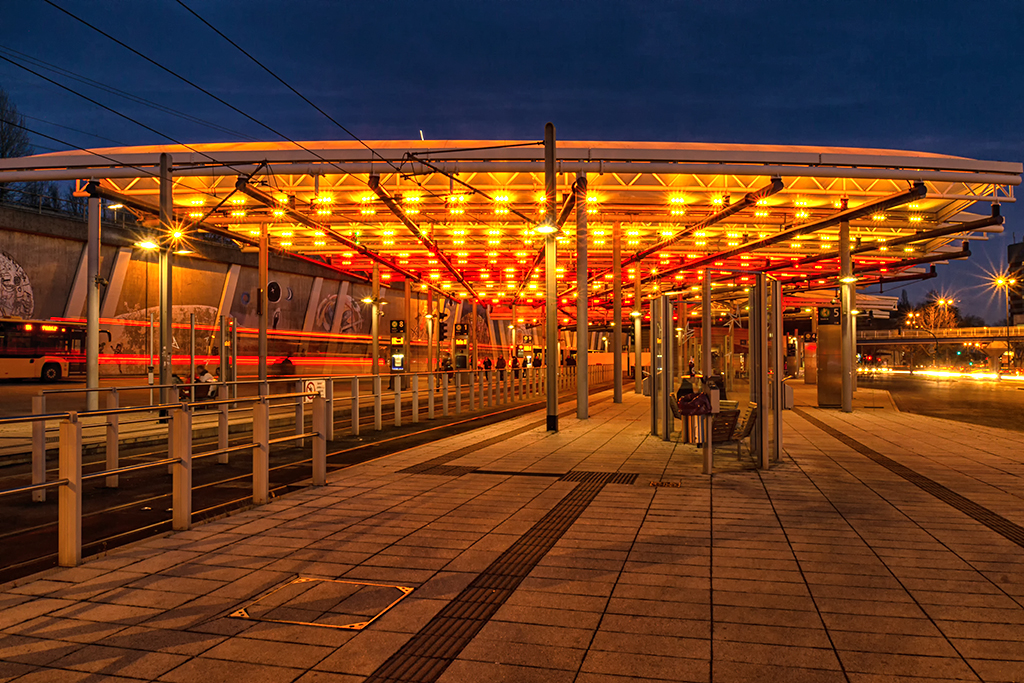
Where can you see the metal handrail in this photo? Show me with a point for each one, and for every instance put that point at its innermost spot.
(33, 487)
(33, 418)
(128, 468)
(224, 451)
(293, 437)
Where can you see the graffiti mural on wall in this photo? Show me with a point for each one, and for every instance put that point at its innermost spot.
(16, 297)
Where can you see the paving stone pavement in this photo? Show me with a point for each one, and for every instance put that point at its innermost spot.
(830, 566)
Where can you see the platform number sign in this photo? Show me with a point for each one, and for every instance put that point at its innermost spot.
(397, 327)
(528, 339)
(828, 315)
(461, 328)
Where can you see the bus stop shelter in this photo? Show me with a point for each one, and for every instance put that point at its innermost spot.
(583, 235)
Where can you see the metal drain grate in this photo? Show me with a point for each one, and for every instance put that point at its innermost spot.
(328, 603)
(997, 523)
(425, 657)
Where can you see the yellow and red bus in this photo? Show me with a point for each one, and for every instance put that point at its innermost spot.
(40, 349)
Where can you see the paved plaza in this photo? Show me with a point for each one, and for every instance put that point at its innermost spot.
(884, 547)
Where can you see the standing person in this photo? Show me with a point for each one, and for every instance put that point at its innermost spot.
(515, 367)
(500, 365)
(487, 369)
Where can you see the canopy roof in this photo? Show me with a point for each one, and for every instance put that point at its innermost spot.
(682, 207)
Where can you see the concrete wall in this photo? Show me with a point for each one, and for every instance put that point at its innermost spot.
(40, 258)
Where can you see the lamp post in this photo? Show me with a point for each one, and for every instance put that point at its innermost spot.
(1005, 282)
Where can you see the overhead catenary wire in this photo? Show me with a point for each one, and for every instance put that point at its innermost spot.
(396, 167)
(53, 68)
(112, 110)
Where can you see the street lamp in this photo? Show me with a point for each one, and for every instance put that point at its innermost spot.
(1005, 282)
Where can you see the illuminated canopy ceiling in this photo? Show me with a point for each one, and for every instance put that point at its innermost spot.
(470, 207)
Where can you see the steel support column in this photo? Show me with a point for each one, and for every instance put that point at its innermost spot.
(637, 333)
(166, 277)
(582, 328)
(617, 313)
(92, 309)
(550, 281)
(375, 326)
(263, 304)
(705, 333)
(407, 337)
(846, 283)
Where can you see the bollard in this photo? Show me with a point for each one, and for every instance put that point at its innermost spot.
(300, 412)
(472, 390)
(490, 388)
(415, 379)
(39, 448)
(261, 452)
(69, 496)
(320, 422)
(355, 406)
(329, 408)
(223, 432)
(113, 439)
(444, 395)
(377, 420)
(458, 392)
(398, 400)
(180, 448)
(430, 395)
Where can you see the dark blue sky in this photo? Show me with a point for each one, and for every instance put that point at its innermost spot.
(935, 76)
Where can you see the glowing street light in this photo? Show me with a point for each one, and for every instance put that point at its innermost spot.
(1005, 282)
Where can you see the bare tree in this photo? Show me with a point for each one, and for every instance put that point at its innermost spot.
(14, 140)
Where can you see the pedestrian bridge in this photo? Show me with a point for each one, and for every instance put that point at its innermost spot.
(958, 335)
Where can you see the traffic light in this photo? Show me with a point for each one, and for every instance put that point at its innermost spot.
(442, 331)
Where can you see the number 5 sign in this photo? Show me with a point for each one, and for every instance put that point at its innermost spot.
(310, 386)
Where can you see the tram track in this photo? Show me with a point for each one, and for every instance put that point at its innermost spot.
(32, 547)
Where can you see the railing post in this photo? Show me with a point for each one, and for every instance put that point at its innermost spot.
(430, 395)
(320, 422)
(458, 392)
(329, 408)
(39, 447)
(261, 452)
(223, 431)
(180, 448)
(113, 439)
(472, 390)
(377, 419)
(444, 395)
(300, 412)
(355, 406)
(398, 400)
(69, 496)
(415, 380)
(491, 379)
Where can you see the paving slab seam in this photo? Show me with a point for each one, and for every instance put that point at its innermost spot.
(803, 575)
(996, 522)
(436, 645)
(967, 562)
(973, 458)
(881, 560)
(427, 466)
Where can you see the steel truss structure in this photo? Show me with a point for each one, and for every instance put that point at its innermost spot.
(459, 217)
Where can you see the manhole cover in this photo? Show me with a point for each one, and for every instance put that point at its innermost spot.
(331, 603)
